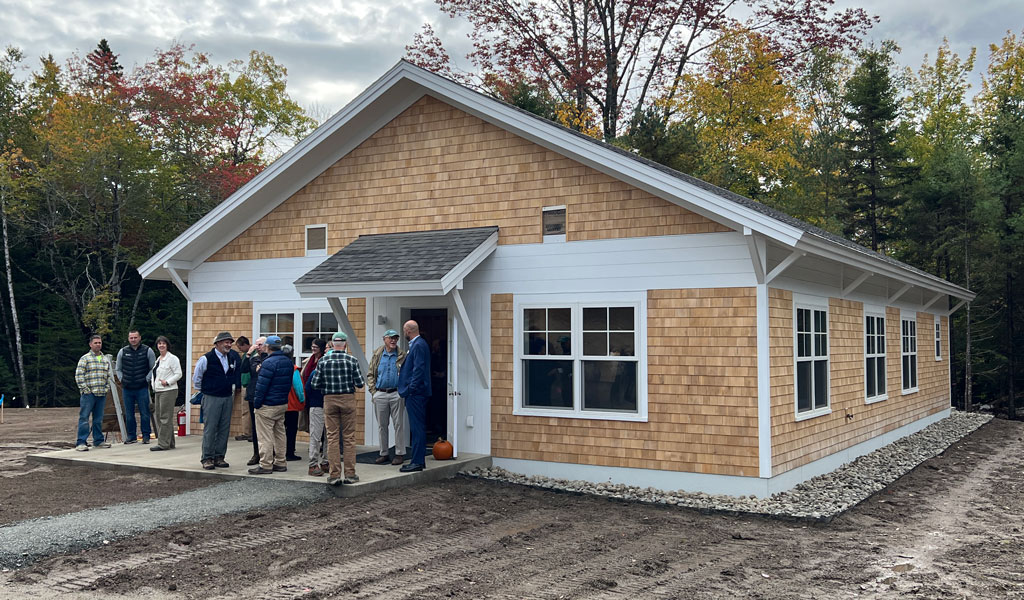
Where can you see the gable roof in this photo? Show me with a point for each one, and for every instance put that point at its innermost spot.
(406, 83)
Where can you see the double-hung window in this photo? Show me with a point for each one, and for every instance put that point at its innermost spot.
(280, 324)
(317, 325)
(938, 338)
(583, 359)
(874, 358)
(908, 330)
(812, 387)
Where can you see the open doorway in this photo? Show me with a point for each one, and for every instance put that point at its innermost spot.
(433, 324)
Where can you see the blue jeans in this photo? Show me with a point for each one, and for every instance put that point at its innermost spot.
(138, 397)
(90, 404)
(416, 406)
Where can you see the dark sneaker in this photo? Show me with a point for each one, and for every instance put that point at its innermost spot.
(145, 440)
(409, 468)
(260, 471)
(131, 441)
(157, 449)
(255, 460)
(334, 481)
(350, 479)
(280, 469)
(293, 458)
(208, 465)
(220, 464)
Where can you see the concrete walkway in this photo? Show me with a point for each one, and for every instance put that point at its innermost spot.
(183, 462)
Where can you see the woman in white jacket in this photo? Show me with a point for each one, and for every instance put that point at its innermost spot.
(166, 373)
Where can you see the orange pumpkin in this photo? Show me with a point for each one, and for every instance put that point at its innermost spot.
(443, 450)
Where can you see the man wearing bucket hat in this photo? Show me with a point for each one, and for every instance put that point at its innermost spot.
(382, 381)
(216, 372)
(337, 375)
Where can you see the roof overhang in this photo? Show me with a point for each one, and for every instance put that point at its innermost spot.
(440, 285)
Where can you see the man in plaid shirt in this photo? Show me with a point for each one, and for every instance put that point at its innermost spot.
(337, 376)
(93, 379)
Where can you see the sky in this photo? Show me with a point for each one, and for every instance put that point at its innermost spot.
(333, 49)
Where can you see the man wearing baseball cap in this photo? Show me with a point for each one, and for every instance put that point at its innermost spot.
(216, 372)
(382, 381)
(337, 375)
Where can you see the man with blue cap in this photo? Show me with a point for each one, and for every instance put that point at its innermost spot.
(382, 381)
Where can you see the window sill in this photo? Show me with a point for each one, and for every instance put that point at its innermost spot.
(554, 239)
(811, 414)
(876, 399)
(574, 414)
(316, 252)
(909, 391)
(939, 359)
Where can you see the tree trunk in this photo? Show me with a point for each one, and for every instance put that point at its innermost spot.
(19, 358)
(135, 305)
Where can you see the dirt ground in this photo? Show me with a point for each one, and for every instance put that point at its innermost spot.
(28, 490)
(949, 529)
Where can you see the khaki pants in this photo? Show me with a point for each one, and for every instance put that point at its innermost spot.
(390, 405)
(340, 414)
(164, 413)
(270, 429)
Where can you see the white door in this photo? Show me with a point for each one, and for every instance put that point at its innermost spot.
(453, 383)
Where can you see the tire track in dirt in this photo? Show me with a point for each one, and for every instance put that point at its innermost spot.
(93, 575)
(946, 524)
(332, 578)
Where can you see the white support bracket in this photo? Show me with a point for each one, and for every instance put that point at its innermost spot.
(956, 308)
(856, 283)
(937, 297)
(785, 264)
(902, 290)
(346, 326)
(756, 246)
(474, 344)
(178, 283)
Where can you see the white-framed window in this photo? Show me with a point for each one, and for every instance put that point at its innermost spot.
(316, 325)
(316, 240)
(812, 363)
(553, 223)
(908, 354)
(581, 356)
(938, 337)
(874, 358)
(278, 323)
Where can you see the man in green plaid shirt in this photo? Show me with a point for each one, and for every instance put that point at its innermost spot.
(93, 379)
(337, 375)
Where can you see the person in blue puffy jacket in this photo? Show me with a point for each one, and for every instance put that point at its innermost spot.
(270, 402)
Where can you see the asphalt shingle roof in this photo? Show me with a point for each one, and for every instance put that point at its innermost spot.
(409, 256)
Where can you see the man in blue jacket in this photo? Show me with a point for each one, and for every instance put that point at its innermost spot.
(270, 403)
(414, 386)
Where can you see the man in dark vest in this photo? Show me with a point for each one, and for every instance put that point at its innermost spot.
(216, 372)
(134, 369)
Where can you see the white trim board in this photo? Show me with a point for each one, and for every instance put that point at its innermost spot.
(729, 485)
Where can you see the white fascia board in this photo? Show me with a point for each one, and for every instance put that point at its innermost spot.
(430, 287)
(454, 277)
(623, 168)
(833, 251)
(279, 168)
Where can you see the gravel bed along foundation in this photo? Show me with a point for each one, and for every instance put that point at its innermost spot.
(821, 498)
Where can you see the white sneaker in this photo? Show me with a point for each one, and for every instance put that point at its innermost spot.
(82, 448)
(103, 444)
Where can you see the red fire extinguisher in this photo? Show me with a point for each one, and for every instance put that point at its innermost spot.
(181, 422)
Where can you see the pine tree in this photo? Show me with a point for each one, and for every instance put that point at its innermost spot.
(876, 169)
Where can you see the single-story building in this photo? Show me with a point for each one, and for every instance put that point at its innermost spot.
(593, 315)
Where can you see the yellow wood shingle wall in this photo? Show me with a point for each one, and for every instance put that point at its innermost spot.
(209, 319)
(796, 443)
(702, 392)
(436, 167)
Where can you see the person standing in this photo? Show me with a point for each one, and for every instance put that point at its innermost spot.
(296, 404)
(243, 345)
(273, 383)
(93, 379)
(216, 372)
(250, 368)
(315, 409)
(338, 376)
(166, 374)
(382, 381)
(134, 369)
(414, 386)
